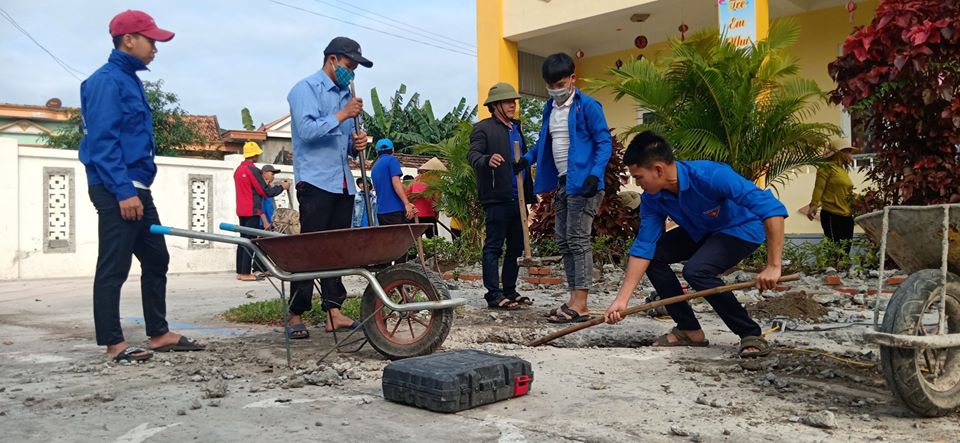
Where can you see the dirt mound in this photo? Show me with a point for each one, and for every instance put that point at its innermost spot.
(799, 306)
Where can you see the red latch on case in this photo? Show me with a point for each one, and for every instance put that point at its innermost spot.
(521, 385)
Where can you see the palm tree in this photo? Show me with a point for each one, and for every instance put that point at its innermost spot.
(455, 190)
(408, 124)
(746, 107)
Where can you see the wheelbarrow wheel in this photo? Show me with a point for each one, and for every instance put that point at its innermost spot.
(406, 334)
(926, 380)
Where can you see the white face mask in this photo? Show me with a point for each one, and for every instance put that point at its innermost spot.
(560, 95)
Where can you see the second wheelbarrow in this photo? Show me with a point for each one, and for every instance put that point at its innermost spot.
(406, 309)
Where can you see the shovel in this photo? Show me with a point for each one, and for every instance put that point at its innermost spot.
(656, 304)
(527, 259)
(362, 157)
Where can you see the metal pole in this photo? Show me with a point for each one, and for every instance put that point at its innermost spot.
(363, 161)
(945, 257)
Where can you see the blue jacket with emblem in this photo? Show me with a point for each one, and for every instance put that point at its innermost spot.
(118, 146)
(590, 146)
(713, 198)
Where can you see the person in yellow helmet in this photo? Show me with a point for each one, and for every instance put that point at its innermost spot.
(251, 190)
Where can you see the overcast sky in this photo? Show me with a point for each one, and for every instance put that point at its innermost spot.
(228, 54)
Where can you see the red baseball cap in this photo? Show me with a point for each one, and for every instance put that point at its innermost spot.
(138, 22)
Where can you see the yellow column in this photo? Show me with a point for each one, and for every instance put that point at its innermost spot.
(497, 58)
(763, 19)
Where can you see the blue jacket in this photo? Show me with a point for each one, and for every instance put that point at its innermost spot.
(118, 145)
(713, 198)
(590, 146)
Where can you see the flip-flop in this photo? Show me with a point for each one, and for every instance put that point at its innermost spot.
(183, 345)
(128, 354)
(682, 340)
(298, 332)
(353, 327)
(569, 316)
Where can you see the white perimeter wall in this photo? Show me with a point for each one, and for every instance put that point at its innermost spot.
(26, 250)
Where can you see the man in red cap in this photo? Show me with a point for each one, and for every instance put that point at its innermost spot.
(118, 152)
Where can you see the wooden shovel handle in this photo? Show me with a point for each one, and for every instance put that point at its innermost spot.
(656, 304)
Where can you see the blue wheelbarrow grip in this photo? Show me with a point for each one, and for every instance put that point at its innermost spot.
(228, 227)
(159, 229)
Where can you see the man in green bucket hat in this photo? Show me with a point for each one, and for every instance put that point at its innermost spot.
(491, 155)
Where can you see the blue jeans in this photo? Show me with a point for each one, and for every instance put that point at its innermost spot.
(502, 225)
(574, 224)
(706, 260)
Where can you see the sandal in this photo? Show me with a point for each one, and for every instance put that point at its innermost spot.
(503, 303)
(128, 354)
(183, 345)
(682, 340)
(522, 300)
(298, 331)
(759, 343)
(568, 315)
(555, 311)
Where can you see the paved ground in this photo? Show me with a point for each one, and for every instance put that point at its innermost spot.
(601, 385)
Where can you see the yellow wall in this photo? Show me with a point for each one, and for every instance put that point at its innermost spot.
(821, 35)
(497, 58)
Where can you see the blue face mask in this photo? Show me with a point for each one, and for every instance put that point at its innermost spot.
(344, 76)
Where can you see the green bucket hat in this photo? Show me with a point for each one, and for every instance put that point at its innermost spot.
(499, 92)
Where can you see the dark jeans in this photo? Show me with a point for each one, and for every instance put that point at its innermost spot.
(502, 225)
(837, 228)
(432, 221)
(392, 218)
(705, 261)
(119, 240)
(320, 211)
(244, 257)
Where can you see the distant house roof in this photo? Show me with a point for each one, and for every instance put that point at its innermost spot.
(406, 161)
(207, 125)
(34, 112)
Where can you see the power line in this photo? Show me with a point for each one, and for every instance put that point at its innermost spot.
(454, 50)
(394, 22)
(66, 67)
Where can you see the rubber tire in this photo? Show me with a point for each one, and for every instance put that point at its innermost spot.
(899, 364)
(435, 289)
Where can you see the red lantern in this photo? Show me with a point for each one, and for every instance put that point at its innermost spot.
(683, 31)
(618, 63)
(851, 6)
(640, 41)
(580, 54)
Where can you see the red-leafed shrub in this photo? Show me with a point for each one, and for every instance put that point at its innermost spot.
(612, 220)
(900, 76)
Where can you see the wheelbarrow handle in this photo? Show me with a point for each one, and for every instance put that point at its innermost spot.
(209, 236)
(249, 231)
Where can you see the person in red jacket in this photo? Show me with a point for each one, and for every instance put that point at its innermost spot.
(251, 190)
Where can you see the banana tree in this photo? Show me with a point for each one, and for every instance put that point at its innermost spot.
(746, 107)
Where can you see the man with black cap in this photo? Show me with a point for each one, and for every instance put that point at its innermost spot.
(118, 152)
(322, 113)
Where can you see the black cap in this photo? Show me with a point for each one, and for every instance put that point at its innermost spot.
(349, 48)
(269, 168)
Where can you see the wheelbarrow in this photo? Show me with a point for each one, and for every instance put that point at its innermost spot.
(919, 337)
(406, 310)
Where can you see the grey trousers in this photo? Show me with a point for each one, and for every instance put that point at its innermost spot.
(574, 224)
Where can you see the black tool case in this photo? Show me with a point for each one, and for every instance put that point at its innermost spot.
(456, 380)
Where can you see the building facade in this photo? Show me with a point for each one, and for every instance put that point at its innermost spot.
(513, 36)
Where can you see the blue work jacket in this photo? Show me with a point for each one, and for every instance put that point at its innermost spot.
(590, 147)
(713, 198)
(118, 145)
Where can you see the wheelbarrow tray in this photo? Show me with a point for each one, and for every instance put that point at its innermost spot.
(915, 236)
(340, 248)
